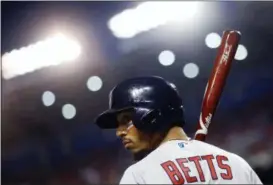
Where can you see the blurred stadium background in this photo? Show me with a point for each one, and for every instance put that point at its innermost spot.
(60, 60)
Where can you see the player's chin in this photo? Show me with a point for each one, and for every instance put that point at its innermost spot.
(132, 149)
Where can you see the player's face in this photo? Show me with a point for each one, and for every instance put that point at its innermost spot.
(132, 139)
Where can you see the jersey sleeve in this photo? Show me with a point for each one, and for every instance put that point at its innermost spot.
(251, 174)
(128, 177)
(254, 178)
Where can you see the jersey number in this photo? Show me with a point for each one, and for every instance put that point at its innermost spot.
(174, 171)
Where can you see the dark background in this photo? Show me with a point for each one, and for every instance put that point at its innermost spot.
(39, 146)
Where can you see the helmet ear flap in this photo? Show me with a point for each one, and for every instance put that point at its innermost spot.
(151, 119)
(160, 119)
(140, 118)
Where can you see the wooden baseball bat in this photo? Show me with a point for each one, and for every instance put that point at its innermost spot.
(216, 81)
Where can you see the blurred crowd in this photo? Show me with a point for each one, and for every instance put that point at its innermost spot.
(251, 137)
(252, 143)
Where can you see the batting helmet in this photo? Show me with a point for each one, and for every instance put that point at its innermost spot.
(155, 102)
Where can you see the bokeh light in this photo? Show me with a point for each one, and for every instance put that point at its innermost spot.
(191, 70)
(213, 40)
(68, 111)
(94, 83)
(241, 52)
(48, 98)
(166, 58)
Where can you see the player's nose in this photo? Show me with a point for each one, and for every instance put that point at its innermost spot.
(121, 132)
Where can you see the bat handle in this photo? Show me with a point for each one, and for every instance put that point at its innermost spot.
(202, 131)
(200, 137)
(204, 122)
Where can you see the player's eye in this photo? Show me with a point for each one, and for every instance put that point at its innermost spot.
(126, 119)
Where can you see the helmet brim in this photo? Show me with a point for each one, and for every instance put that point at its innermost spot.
(108, 119)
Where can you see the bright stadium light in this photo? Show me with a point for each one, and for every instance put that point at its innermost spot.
(241, 52)
(69, 111)
(48, 98)
(149, 15)
(191, 70)
(213, 40)
(166, 58)
(120, 22)
(94, 83)
(52, 51)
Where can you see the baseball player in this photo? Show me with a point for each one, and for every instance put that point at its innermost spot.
(147, 113)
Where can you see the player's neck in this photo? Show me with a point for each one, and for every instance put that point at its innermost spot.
(175, 133)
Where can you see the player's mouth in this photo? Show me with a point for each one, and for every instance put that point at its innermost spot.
(126, 143)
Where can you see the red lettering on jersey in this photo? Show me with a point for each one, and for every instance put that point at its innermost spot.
(196, 160)
(209, 158)
(173, 172)
(228, 175)
(186, 170)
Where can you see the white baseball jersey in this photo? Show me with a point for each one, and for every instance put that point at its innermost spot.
(190, 162)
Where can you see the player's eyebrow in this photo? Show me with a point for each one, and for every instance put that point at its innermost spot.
(124, 117)
(127, 117)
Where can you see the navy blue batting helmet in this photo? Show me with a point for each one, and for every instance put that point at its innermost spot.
(156, 104)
